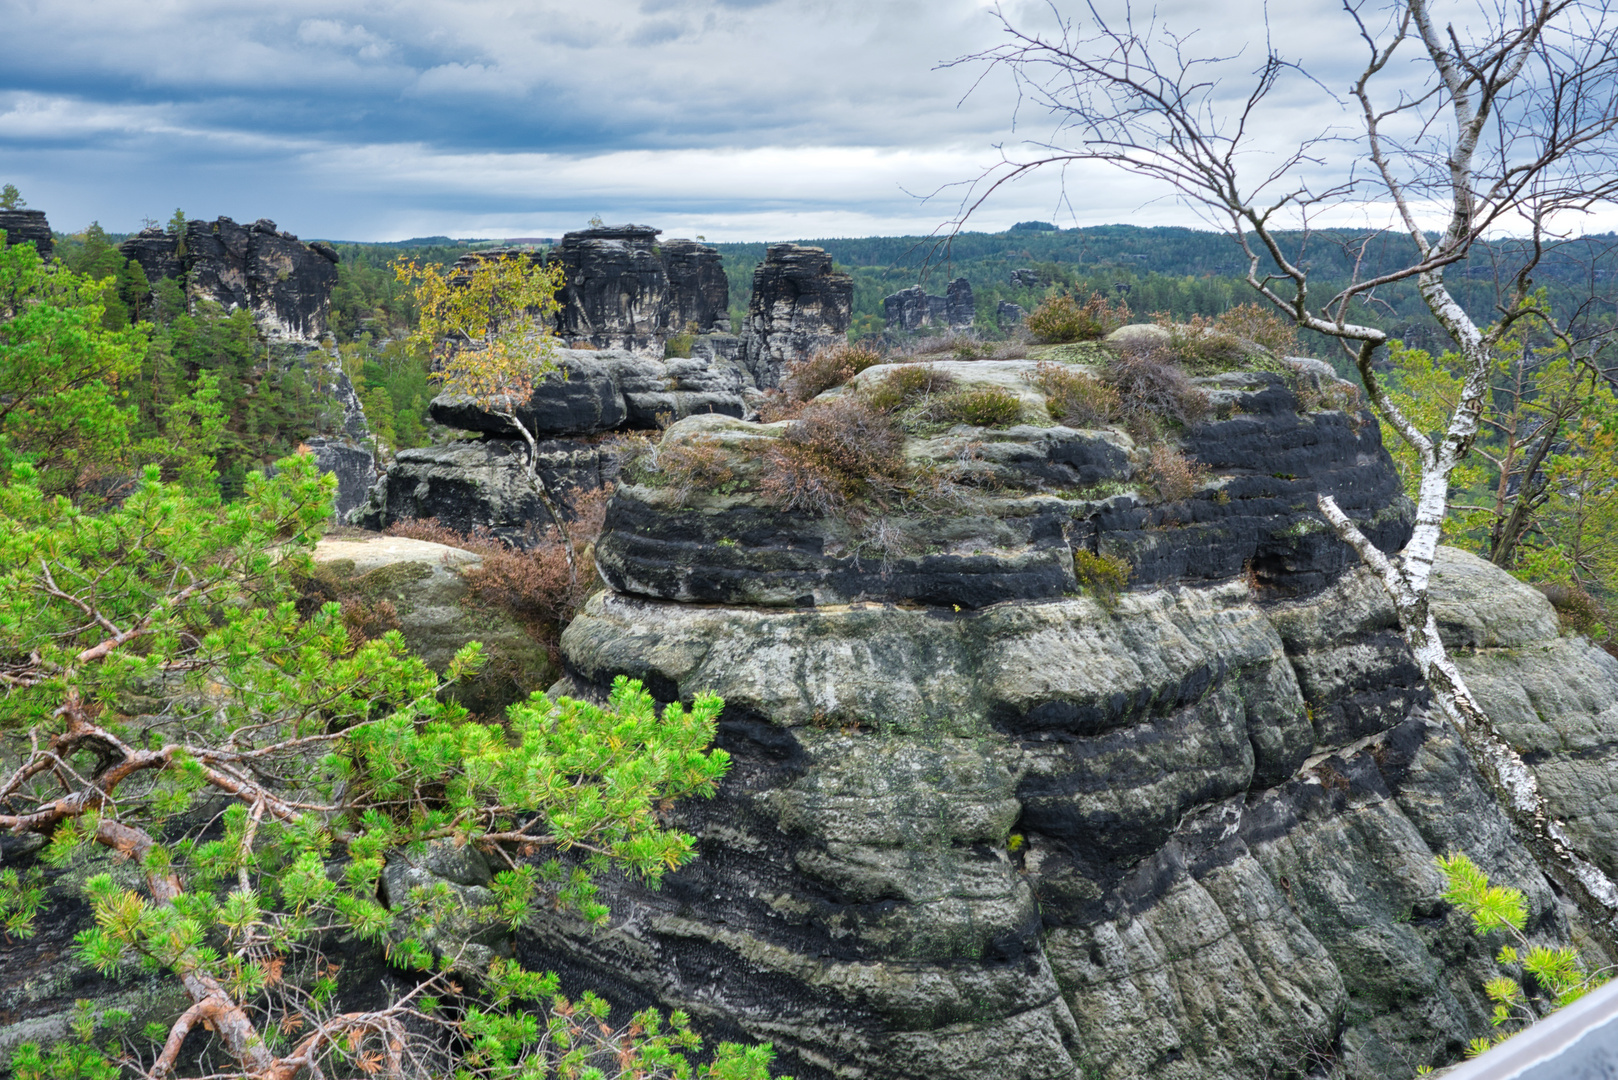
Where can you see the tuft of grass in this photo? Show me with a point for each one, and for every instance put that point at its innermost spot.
(1076, 398)
(980, 406)
(697, 463)
(1174, 475)
(1103, 576)
(907, 385)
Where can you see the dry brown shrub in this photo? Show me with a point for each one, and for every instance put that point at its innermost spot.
(826, 369)
(697, 463)
(837, 453)
(1577, 610)
(534, 586)
(1150, 387)
(908, 384)
(1174, 475)
(1076, 398)
(1262, 326)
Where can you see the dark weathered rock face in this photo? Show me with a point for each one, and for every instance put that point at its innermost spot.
(1045, 491)
(912, 309)
(699, 290)
(286, 284)
(1025, 279)
(624, 290)
(800, 305)
(28, 226)
(1008, 315)
(481, 483)
(352, 464)
(592, 392)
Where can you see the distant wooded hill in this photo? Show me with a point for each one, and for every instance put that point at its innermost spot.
(1178, 270)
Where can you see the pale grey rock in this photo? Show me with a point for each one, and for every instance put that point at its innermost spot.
(1227, 813)
(1139, 334)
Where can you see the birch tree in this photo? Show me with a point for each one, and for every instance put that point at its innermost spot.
(489, 331)
(1506, 132)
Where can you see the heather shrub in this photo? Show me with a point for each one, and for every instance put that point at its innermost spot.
(696, 463)
(835, 453)
(1062, 319)
(909, 384)
(980, 406)
(1577, 610)
(1174, 475)
(1077, 398)
(535, 586)
(1151, 388)
(826, 369)
(1262, 326)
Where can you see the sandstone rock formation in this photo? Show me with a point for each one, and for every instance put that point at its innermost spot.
(421, 582)
(1007, 315)
(800, 305)
(980, 823)
(912, 309)
(1025, 279)
(469, 484)
(472, 484)
(624, 290)
(28, 226)
(286, 284)
(597, 391)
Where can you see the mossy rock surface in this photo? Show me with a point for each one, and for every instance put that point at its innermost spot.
(1021, 500)
(422, 583)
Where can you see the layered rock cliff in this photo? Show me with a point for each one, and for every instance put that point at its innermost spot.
(285, 283)
(623, 290)
(30, 227)
(800, 305)
(987, 821)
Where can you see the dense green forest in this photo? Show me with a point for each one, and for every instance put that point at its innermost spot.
(1178, 270)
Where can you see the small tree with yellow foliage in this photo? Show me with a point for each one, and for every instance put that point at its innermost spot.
(489, 330)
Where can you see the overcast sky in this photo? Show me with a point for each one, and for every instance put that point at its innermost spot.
(384, 119)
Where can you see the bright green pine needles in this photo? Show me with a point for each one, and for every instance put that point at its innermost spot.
(259, 772)
(1557, 973)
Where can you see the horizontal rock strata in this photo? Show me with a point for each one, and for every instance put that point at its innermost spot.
(1036, 493)
(981, 823)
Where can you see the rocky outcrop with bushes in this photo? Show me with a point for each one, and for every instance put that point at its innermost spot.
(285, 283)
(1067, 741)
(911, 309)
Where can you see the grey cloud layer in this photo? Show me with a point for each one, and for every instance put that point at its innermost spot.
(386, 117)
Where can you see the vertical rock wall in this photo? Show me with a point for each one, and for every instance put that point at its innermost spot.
(28, 226)
(800, 305)
(286, 284)
(624, 290)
